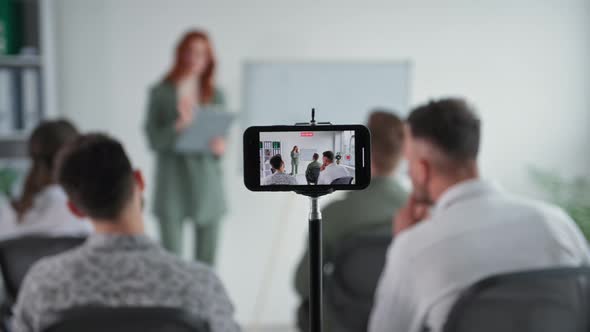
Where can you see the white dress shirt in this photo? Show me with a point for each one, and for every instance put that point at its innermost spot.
(331, 173)
(474, 231)
(49, 215)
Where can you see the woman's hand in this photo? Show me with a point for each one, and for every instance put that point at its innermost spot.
(217, 146)
(185, 114)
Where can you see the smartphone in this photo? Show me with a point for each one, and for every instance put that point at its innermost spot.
(307, 158)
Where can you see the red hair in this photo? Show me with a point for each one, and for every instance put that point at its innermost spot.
(180, 69)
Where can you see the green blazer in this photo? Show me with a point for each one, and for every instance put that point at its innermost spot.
(186, 185)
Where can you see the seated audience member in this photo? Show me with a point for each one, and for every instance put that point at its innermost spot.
(370, 210)
(279, 176)
(331, 171)
(118, 265)
(42, 208)
(474, 229)
(313, 170)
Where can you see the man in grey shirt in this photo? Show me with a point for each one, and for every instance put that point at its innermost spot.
(119, 266)
(279, 177)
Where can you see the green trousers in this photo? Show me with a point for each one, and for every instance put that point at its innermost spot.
(205, 237)
(294, 168)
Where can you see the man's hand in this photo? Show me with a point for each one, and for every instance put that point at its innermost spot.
(409, 215)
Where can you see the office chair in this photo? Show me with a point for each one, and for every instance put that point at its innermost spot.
(552, 300)
(19, 254)
(343, 180)
(352, 277)
(127, 319)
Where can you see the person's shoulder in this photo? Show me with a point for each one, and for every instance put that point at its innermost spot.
(51, 271)
(539, 209)
(269, 179)
(182, 266)
(555, 217)
(397, 193)
(200, 276)
(7, 217)
(341, 168)
(161, 87)
(336, 206)
(414, 241)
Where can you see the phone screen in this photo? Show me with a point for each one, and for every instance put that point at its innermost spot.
(296, 157)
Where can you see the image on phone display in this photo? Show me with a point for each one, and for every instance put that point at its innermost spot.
(307, 158)
(283, 158)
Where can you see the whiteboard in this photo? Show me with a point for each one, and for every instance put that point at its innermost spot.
(282, 93)
(307, 154)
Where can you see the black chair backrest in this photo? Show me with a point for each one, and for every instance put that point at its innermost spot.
(552, 300)
(343, 180)
(127, 319)
(312, 174)
(351, 283)
(19, 254)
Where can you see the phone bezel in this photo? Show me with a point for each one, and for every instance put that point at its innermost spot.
(252, 154)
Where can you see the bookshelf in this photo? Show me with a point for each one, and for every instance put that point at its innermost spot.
(27, 71)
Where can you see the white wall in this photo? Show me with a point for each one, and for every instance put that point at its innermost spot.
(321, 141)
(524, 63)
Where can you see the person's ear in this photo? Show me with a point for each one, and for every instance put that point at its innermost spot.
(423, 171)
(139, 180)
(75, 211)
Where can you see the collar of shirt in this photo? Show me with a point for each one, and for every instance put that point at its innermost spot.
(52, 194)
(121, 242)
(463, 190)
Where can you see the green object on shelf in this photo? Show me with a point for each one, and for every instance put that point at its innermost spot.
(8, 177)
(9, 27)
(572, 195)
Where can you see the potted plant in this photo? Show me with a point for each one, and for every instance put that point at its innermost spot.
(572, 195)
(8, 177)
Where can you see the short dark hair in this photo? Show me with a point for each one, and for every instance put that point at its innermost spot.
(316, 156)
(387, 138)
(97, 175)
(329, 155)
(449, 124)
(276, 162)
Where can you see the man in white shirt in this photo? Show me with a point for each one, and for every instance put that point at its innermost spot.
(474, 230)
(331, 171)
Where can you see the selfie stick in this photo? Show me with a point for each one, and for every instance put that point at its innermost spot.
(315, 249)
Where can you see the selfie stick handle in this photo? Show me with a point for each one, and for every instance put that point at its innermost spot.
(315, 266)
(315, 249)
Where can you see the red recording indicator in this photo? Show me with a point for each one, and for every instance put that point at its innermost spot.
(307, 134)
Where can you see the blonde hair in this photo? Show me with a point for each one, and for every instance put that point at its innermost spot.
(387, 137)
